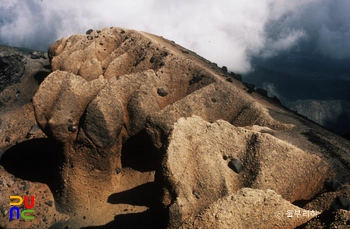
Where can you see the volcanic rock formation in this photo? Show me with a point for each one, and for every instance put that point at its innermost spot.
(142, 133)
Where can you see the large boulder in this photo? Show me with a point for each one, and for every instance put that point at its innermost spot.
(251, 208)
(213, 102)
(100, 93)
(195, 166)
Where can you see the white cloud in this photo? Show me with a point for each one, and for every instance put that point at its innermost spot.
(226, 32)
(284, 42)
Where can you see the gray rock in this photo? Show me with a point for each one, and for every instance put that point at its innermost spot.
(89, 31)
(340, 203)
(196, 79)
(344, 202)
(118, 170)
(262, 91)
(32, 131)
(236, 165)
(45, 55)
(35, 55)
(249, 86)
(72, 128)
(276, 99)
(26, 185)
(11, 70)
(162, 92)
(238, 77)
(49, 203)
(332, 185)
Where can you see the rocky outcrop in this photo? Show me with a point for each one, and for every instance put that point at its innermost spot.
(144, 133)
(250, 208)
(104, 87)
(11, 70)
(102, 90)
(213, 102)
(197, 174)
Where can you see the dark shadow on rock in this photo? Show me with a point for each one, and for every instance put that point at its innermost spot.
(48, 66)
(40, 76)
(347, 136)
(325, 219)
(142, 195)
(36, 160)
(300, 203)
(139, 153)
(140, 220)
(340, 124)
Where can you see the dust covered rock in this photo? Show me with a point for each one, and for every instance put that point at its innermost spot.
(250, 208)
(213, 102)
(196, 174)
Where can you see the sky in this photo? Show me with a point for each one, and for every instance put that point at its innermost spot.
(232, 33)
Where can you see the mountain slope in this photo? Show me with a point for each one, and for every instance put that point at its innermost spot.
(143, 133)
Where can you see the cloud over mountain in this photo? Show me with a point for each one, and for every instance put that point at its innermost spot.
(227, 32)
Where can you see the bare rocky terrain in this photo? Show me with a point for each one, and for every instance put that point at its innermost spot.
(125, 129)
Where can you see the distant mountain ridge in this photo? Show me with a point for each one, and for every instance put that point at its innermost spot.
(332, 114)
(323, 100)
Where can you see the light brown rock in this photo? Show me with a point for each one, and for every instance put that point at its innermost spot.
(124, 159)
(213, 102)
(250, 208)
(196, 173)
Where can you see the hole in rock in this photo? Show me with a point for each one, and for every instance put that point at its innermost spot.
(40, 76)
(301, 203)
(139, 153)
(36, 160)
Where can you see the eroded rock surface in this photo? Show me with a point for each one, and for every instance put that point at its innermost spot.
(250, 208)
(197, 174)
(147, 134)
